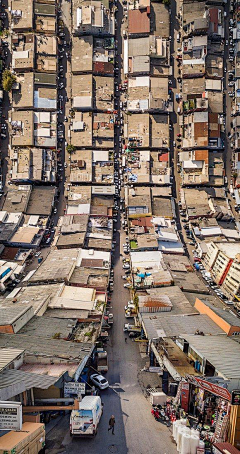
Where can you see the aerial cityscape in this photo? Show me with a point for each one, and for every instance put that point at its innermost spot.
(120, 226)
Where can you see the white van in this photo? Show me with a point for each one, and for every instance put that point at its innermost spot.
(84, 422)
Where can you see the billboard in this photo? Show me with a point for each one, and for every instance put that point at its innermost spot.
(10, 416)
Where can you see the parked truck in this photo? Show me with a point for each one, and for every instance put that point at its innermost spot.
(102, 360)
(84, 422)
(132, 328)
(130, 311)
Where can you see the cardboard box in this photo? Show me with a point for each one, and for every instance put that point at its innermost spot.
(31, 439)
(158, 398)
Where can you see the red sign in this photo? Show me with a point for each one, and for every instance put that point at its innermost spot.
(185, 396)
(211, 387)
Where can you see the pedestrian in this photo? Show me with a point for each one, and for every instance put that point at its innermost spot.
(111, 424)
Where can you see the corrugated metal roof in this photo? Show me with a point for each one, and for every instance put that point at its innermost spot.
(48, 348)
(7, 355)
(47, 327)
(18, 381)
(8, 315)
(163, 325)
(222, 352)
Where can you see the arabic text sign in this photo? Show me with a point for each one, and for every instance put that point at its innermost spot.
(74, 388)
(10, 416)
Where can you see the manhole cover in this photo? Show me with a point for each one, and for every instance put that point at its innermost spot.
(112, 448)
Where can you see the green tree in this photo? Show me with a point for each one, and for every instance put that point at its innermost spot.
(135, 301)
(8, 80)
(70, 149)
(166, 2)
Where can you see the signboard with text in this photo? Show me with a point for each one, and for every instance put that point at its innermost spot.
(210, 387)
(75, 388)
(10, 416)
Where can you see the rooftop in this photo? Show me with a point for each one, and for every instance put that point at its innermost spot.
(41, 200)
(22, 128)
(50, 328)
(159, 17)
(22, 15)
(167, 325)
(180, 304)
(138, 21)
(81, 130)
(48, 349)
(17, 198)
(57, 267)
(36, 296)
(82, 54)
(227, 363)
(82, 91)
(7, 356)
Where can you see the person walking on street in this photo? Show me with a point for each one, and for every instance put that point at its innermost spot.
(111, 424)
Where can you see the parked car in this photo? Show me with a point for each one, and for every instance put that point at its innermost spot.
(99, 381)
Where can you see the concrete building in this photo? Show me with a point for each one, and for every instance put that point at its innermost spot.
(223, 261)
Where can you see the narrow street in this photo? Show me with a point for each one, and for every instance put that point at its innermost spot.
(136, 430)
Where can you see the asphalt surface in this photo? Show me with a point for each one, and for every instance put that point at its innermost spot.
(136, 431)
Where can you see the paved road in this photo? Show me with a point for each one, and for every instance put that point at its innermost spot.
(136, 430)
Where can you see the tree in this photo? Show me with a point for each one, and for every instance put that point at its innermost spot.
(8, 80)
(166, 2)
(135, 301)
(70, 149)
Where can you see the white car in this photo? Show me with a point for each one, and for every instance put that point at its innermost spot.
(99, 381)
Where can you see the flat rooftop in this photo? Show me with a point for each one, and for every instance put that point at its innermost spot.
(162, 207)
(81, 129)
(22, 128)
(103, 130)
(17, 198)
(23, 17)
(82, 91)
(138, 128)
(46, 45)
(103, 93)
(41, 200)
(82, 54)
(159, 131)
(24, 53)
(159, 19)
(81, 166)
(23, 94)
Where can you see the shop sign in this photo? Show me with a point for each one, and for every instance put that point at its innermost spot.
(210, 387)
(73, 388)
(235, 397)
(10, 416)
